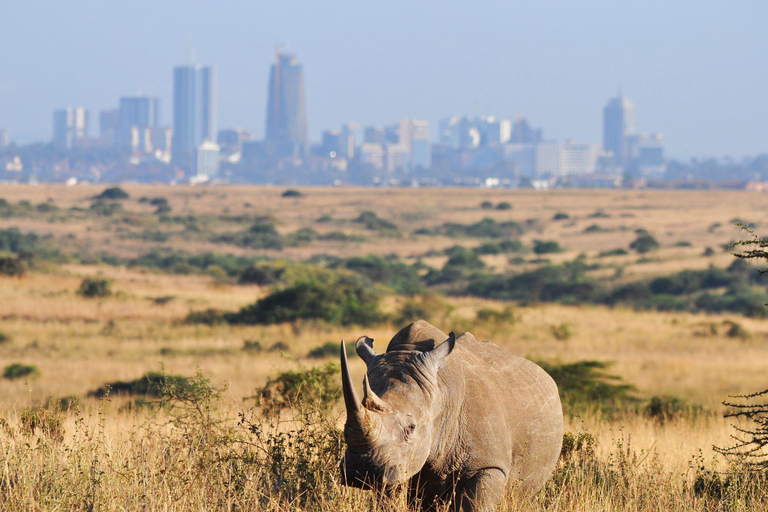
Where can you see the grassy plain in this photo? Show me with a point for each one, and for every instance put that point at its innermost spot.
(115, 456)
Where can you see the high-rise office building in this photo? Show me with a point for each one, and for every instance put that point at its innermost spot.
(69, 125)
(138, 116)
(194, 112)
(286, 108)
(618, 127)
(109, 123)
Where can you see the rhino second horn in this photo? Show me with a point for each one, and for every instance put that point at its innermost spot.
(371, 400)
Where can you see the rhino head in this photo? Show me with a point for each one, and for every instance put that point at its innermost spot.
(390, 434)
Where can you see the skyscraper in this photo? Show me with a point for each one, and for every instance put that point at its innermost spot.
(138, 115)
(618, 127)
(194, 111)
(69, 124)
(286, 109)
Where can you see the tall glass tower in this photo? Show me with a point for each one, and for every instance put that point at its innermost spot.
(194, 111)
(618, 126)
(286, 109)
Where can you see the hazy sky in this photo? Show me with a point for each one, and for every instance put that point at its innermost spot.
(696, 70)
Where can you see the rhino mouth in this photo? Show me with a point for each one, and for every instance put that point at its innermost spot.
(358, 471)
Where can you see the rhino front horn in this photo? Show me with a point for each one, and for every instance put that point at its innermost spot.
(360, 428)
(350, 395)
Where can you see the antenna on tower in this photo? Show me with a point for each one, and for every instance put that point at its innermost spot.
(277, 85)
(190, 51)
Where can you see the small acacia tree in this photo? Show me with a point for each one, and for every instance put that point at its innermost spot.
(750, 443)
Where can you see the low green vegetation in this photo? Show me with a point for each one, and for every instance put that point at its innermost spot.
(546, 247)
(151, 384)
(644, 243)
(373, 222)
(16, 371)
(95, 287)
(736, 289)
(586, 384)
(112, 193)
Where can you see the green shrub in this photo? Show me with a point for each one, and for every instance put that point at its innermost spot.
(292, 193)
(429, 307)
(374, 223)
(4, 338)
(546, 247)
(46, 208)
(666, 408)
(161, 205)
(612, 252)
(735, 330)
(567, 283)
(598, 214)
(462, 257)
(644, 243)
(113, 193)
(153, 384)
(494, 316)
(504, 205)
(561, 332)
(92, 287)
(14, 241)
(105, 209)
(252, 346)
(12, 265)
(561, 216)
(330, 349)
(585, 385)
(486, 205)
(20, 370)
(333, 297)
(261, 274)
(340, 236)
(595, 228)
(485, 228)
(400, 277)
(208, 316)
(261, 235)
(316, 387)
(303, 236)
(501, 247)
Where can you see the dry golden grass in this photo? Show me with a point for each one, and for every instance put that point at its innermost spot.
(80, 344)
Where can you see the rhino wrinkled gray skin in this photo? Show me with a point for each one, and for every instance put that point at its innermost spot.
(456, 420)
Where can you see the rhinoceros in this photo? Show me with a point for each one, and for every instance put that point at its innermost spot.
(456, 420)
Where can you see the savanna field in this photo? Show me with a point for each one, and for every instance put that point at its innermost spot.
(176, 348)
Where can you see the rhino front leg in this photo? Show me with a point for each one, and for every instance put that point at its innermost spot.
(483, 492)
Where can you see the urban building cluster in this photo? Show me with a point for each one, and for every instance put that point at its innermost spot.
(134, 143)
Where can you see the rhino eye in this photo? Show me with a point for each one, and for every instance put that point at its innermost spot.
(409, 429)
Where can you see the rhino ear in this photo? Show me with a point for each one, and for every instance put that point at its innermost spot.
(364, 348)
(435, 358)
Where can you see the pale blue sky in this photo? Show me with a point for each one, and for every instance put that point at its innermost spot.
(696, 70)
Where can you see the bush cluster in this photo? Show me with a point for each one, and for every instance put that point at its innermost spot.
(94, 287)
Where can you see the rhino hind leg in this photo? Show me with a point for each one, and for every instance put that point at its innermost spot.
(483, 492)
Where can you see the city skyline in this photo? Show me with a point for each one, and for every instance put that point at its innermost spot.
(556, 66)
